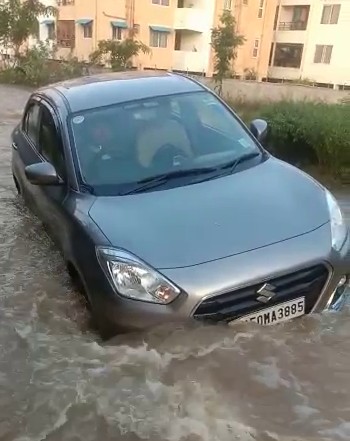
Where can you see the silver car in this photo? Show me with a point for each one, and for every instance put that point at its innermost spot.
(167, 208)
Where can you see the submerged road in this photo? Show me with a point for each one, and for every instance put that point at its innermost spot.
(57, 382)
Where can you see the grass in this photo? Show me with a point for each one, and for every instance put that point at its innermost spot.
(312, 135)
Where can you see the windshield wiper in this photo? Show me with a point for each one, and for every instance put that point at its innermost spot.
(87, 188)
(231, 166)
(156, 181)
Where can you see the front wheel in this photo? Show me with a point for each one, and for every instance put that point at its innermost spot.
(78, 283)
(18, 188)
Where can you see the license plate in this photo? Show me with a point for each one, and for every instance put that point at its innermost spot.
(276, 314)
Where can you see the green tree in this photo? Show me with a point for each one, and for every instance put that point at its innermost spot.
(19, 20)
(225, 41)
(118, 53)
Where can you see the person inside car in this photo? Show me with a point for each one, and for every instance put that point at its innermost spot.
(109, 155)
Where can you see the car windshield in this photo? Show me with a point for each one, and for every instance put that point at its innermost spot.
(181, 135)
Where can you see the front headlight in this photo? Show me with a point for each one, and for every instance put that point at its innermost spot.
(338, 226)
(132, 278)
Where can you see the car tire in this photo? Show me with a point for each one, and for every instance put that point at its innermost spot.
(99, 323)
(78, 283)
(18, 188)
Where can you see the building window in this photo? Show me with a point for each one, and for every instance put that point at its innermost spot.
(228, 4)
(276, 18)
(330, 14)
(288, 55)
(256, 48)
(51, 31)
(161, 2)
(323, 54)
(158, 39)
(88, 30)
(117, 33)
(271, 54)
(66, 33)
(261, 9)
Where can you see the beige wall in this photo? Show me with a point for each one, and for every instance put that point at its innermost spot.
(105, 11)
(267, 36)
(252, 28)
(337, 72)
(101, 12)
(216, 21)
(148, 14)
(251, 91)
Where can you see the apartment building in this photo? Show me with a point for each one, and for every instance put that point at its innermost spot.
(46, 25)
(177, 31)
(310, 42)
(254, 20)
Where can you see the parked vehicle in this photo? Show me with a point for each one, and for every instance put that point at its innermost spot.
(167, 208)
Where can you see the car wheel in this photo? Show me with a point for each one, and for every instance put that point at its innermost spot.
(18, 188)
(78, 283)
(99, 323)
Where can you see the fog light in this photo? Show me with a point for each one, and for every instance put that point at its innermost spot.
(339, 296)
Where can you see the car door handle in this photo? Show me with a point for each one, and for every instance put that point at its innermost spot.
(14, 146)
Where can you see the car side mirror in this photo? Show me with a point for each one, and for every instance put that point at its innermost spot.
(42, 173)
(259, 129)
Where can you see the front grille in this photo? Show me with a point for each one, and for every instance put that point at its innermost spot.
(231, 305)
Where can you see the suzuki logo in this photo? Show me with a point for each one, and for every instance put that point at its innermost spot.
(266, 293)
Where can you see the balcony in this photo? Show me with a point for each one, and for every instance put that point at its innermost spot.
(188, 61)
(189, 19)
(65, 2)
(284, 73)
(292, 26)
(286, 62)
(292, 18)
(66, 34)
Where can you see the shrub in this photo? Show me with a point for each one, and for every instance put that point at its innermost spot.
(36, 67)
(118, 54)
(308, 133)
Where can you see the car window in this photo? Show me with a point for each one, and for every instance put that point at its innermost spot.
(122, 144)
(212, 113)
(31, 122)
(50, 145)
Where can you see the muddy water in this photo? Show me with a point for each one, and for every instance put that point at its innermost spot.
(58, 382)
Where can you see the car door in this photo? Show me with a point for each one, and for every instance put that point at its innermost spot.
(51, 198)
(25, 139)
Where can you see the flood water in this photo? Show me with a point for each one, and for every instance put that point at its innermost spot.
(59, 382)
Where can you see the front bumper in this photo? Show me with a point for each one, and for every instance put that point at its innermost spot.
(229, 274)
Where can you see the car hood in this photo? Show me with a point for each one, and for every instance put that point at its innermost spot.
(197, 223)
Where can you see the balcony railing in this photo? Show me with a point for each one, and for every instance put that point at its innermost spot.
(189, 61)
(65, 2)
(292, 26)
(66, 43)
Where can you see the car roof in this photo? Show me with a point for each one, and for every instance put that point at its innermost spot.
(114, 88)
